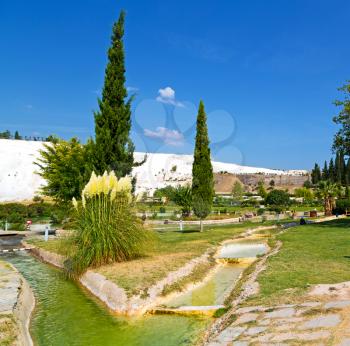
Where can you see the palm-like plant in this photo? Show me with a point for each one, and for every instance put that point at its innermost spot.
(327, 191)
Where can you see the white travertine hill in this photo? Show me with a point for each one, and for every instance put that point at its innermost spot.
(18, 180)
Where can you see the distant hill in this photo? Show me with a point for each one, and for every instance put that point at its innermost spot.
(19, 182)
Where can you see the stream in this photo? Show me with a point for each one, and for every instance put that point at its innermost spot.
(66, 314)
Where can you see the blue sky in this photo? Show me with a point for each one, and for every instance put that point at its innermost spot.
(267, 71)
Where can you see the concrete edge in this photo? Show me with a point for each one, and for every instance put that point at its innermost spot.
(23, 310)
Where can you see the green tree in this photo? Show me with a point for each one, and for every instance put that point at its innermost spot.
(113, 148)
(63, 166)
(237, 190)
(278, 198)
(339, 167)
(342, 137)
(325, 173)
(327, 191)
(182, 196)
(17, 136)
(307, 184)
(316, 174)
(202, 170)
(331, 171)
(305, 193)
(261, 190)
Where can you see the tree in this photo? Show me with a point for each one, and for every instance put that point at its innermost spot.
(202, 170)
(339, 167)
(272, 184)
(237, 190)
(113, 148)
(17, 136)
(261, 190)
(342, 137)
(327, 191)
(316, 174)
(325, 173)
(331, 171)
(305, 193)
(182, 196)
(5, 135)
(278, 198)
(63, 166)
(307, 184)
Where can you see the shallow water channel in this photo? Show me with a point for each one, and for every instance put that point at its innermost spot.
(66, 314)
(214, 291)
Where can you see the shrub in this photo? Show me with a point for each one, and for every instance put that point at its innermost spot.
(341, 206)
(278, 198)
(107, 228)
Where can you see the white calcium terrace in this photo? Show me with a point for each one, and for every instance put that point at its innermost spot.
(19, 181)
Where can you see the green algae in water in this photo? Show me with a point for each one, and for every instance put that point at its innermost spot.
(213, 292)
(67, 315)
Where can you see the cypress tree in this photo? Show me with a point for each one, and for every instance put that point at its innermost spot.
(113, 148)
(325, 174)
(338, 168)
(316, 174)
(347, 172)
(202, 170)
(331, 171)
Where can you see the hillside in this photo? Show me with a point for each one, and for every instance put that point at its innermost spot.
(18, 180)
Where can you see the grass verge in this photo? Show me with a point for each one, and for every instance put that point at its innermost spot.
(310, 254)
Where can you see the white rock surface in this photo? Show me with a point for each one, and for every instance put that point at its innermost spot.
(18, 180)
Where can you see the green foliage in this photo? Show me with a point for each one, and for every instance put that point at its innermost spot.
(307, 184)
(342, 137)
(316, 174)
(341, 206)
(5, 135)
(107, 228)
(327, 191)
(237, 190)
(261, 190)
(64, 167)
(19, 213)
(167, 191)
(305, 193)
(182, 196)
(202, 170)
(278, 198)
(113, 148)
(325, 172)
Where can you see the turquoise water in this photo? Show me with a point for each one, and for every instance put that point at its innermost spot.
(66, 315)
(242, 249)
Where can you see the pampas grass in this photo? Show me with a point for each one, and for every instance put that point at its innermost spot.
(107, 228)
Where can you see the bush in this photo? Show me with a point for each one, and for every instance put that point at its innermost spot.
(261, 211)
(341, 206)
(278, 198)
(107, 229)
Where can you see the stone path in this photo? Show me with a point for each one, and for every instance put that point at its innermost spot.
(311, 323)
(10, 284)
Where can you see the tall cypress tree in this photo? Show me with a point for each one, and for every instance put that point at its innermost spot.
(316, 174)
(113, 148)
(331, 171)
(339, 167)
(202, 170)
(325, 174)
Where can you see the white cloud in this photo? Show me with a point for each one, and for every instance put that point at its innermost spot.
(169, 137)
(167, 95)
(132, 89)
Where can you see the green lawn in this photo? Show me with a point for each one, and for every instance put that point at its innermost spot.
(310, 254)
